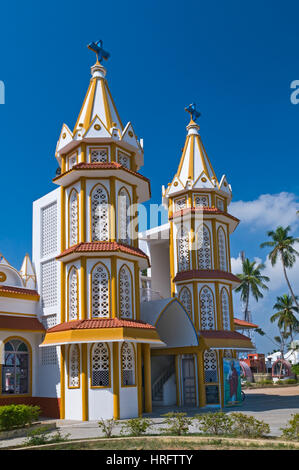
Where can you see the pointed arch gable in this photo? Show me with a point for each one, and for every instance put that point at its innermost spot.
(73, 217)
(100, 365)
(183, 249)
(125, 292)
(222, 249)
(204, 247)
(123, 216)
(207, 309)
(100, 291)
(225, 308)
(74, 366)
(185, 297)
(128, 364)
(99, 213)
(73, 294)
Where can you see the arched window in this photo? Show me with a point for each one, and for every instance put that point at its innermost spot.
(185, 298)
(73, 307)
(100, 292)
(100, 365)
(74, 366)
(99, 214)
(127, 364)
(222, 249)
(73, 218)
(203, 248)
(15, 370)
(183, 250)
(125, 292)
(124, 219)
(210, 366)
(207, 310)
(225, 309)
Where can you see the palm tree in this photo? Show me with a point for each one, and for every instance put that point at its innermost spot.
(251, 283)
(286, 320)
(282, 245)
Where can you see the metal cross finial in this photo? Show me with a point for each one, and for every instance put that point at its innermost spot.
(97, 47)
(191, 109)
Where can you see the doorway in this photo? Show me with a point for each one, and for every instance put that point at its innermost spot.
(189, 388)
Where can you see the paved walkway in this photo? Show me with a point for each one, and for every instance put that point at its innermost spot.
(273, 405)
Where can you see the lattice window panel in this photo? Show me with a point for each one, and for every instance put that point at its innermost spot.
(49, 321)
(49, 283)
(99, 214)
(185, 298)
(74, 366)
(49, 230)
(100, 365)
(207, 310)
(49, 356)
(201, 201)
(124, 216)
(99, 156)
(204, 259)
(73, 294)
(220, 204)
(225, 309)
(183, 250)
(222, 250)
(100, 292)
(125, 293)
(128, 364)
(73, 215)
(124, 160)
(210, 367)
(180, 204)
(72, 161)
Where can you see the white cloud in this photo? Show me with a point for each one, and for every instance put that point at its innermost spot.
(268, 211)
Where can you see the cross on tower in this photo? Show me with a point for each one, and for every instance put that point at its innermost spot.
(191, 109)
(97, 47)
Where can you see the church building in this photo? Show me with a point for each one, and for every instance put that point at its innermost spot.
(106, 322)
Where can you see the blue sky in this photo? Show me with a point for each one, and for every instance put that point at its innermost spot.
(236, 60)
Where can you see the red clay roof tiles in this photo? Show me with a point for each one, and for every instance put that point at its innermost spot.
(103, 246)
(98, 323)
(13, 322)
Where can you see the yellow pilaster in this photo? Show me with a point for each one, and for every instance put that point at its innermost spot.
(139, 379)
(83, 152)
(192, 239)
(84, 382)
(112, 209)
(171, 260)
(196, 306)
(62, 382)
(221, 383)
(137, 290)
(231, 308)
(115, 380)
(83, 283)
(63, 164)
(147, 378)
(135, 218)
(62, 292)
(114, 296)
(215, 250)
(200, 378)
(177, 380)
(62, 248)
(83, 210)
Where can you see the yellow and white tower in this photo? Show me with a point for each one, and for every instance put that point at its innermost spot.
(103, 342)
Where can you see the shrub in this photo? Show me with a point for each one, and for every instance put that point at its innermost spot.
(292, 431)
(248, 426)
(178, 423)
(215, 423)
(38, 437)
(290, 381)
(295, 369)
(12, 416)
(136, 426)
(107, 426)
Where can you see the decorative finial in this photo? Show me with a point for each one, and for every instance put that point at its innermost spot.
(191, 109)
(97, 47)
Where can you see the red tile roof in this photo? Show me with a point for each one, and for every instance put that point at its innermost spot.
(204, 210)
(97, 323)
(18, 290)
(205, 274)
(103, 246)
(13, 322)
(244, 323)
(222, 334)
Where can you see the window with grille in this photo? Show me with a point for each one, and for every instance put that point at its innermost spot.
(73, 218)
(100, 365)
(74, 366)
(99, 214)
(180, 204)
(100, 294)
(125, 292)
(15, 368)
(124, 203)
(207, 309)
(49, 230)
(222, 249)
(127, 364)
(201, 201)
(220, 204)
(185, 298)
(204, 259)
(72, 160)
(210, 367)
(99, 155)
(225, 309)
(49, 283)
(124, 160)
(49, 356)
(73, 294)
(183, 250)
(49, 321)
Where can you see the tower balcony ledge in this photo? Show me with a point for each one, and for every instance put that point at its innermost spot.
(207, 275)
(208, 213)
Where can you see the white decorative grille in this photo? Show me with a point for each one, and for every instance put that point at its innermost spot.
(73, 294)
(180, 204)
(225, 309)
(73, 218)
(49, 356)
(183, 250)
(124, 160)
(222, 249)
(100, 292)
(100, 365)
(210, 366)
(49, 283)
(125, 293)
(128, 364)
(220, 204)
(185, 298)
(49, 230)
(99, 214)
(49, 321)
(99, 156)
(72, 160)
(204, 248)
(207, 311)
(201, 201)
(74, 366)
(123, 216)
